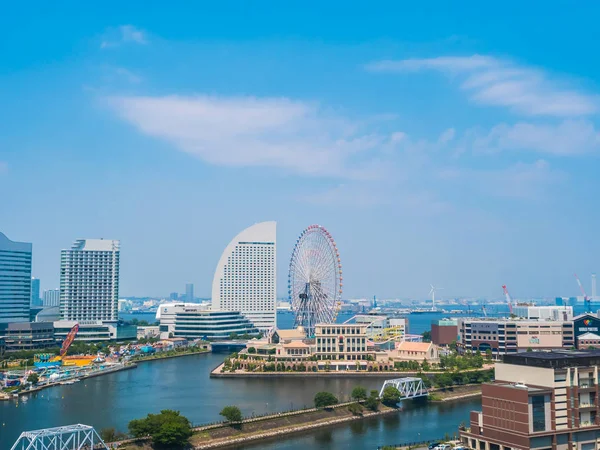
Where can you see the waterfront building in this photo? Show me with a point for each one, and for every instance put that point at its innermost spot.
(173, 296)
(95, 330)
(89, 281)
(51, 297)
(415, 351)
(2, 347)
(508, 336)
(539, 400)
(534, 312)
(346, 342)
(288, 336)
(189, 293)
(35, 292)
(586, 330)
(194, 321)
(29, 336)
(444, 331)
(382, 328)
(245, 277)
(15, 280)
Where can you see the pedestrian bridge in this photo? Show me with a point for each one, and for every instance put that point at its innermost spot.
(71, 437)
(409, 387)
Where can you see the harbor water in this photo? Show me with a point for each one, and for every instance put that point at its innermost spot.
(184, 384)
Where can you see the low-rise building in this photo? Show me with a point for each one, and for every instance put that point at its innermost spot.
(533, 312)
(539, 400)
(444, 331)
(194, 321)
(509, 336)
(28, 336)
(587, 325)
(152, 331)
(415, 351)
(95, 330)
(341, 342)
(288, 336)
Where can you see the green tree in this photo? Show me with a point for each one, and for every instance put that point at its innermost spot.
(426, 336)
(488, 354)
(33, 378)
(169, 429)
(453, 346)
(391, 396)
(372, 402)
(359, 393)
(325, 399)
(231, 414)
(356, 409)
(251, 350)
(425, 365)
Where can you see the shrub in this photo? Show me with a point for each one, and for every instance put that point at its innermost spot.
(356, 409)
(372, 402)
(324, 399)
(251, 350)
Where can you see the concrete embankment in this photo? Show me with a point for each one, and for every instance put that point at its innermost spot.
(158, 356)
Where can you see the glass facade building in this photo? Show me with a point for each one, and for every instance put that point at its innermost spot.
(15, 280)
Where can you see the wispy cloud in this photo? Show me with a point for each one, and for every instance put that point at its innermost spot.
(570, 137)
(123, 34)
(523, 181)
(247, 131)
(127, 75)
(497, 82)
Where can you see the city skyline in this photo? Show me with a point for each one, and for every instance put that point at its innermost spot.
(437, 148)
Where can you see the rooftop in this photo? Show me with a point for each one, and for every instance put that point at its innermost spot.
(414, 346)
(555, 358)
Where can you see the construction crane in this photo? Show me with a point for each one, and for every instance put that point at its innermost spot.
(586, 299)
(508, 299)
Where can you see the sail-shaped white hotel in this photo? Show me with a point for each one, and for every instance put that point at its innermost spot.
(245, 278)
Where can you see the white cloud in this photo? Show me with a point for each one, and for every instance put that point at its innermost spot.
(570, 137)
(496, 82)
(123, 34)
(248, 131)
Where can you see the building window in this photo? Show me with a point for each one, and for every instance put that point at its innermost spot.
(538, 412)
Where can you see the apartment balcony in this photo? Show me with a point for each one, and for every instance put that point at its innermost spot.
(586, 385)
(586, 424)
(587, 405)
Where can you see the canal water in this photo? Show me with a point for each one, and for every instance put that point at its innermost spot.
(184, 384)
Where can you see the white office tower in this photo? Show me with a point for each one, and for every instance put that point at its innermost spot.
(51, 297)
(246, 275)
(89, 281)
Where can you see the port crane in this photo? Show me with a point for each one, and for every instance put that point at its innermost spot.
(508, 299)
(586, 300)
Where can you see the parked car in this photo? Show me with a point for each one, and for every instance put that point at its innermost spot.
(433, 445)
(443, 447)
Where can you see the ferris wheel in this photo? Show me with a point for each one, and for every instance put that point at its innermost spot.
(315, 278)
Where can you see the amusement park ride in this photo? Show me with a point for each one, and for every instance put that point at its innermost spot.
(49, 360)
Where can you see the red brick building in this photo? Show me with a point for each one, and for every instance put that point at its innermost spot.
(540, 400)
(444, 332)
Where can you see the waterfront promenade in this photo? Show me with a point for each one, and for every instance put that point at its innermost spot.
(184, 384)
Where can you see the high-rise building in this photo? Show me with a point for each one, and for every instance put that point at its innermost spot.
(51, 297)
(189, 293)
(15, 280)
(35, 292)
(539, 400)
(245, 278)
(89, 281)
(173, 296)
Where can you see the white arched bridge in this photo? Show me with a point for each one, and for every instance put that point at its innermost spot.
(409, 387)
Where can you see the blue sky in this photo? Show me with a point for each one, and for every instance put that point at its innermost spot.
(454, 146)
